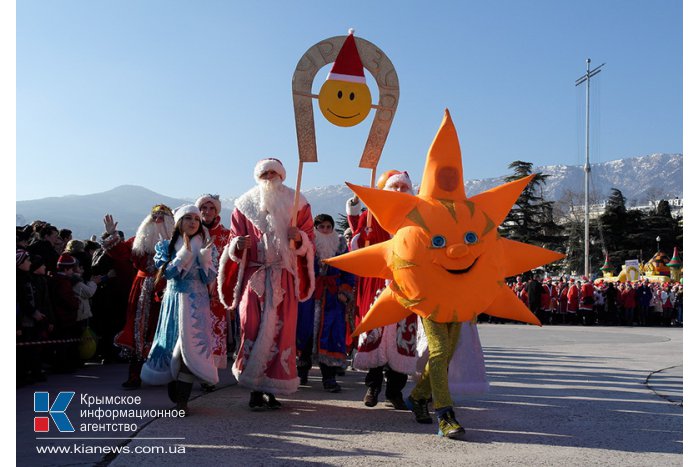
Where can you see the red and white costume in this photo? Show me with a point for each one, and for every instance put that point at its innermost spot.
(394, 345)
(273, 278)
(220, 235)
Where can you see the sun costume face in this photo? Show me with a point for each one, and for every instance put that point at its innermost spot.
(446, 260)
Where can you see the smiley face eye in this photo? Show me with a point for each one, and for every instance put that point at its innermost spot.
(340, 94)
(439, 241)
(470, 238)
(352, 96)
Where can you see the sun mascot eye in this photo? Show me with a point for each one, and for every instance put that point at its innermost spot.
(439, 241)
(470, 238)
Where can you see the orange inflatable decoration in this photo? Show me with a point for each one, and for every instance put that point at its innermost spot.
(446, 259)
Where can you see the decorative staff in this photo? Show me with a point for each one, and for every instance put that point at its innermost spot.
(344, 99)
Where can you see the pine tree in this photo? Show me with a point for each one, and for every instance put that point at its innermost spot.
(531, 220)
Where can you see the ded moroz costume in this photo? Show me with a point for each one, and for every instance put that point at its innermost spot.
(321, 319)
(265, 275)
(389, 349)
(143, 306)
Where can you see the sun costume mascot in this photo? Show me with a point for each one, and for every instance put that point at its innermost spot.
(446, 262)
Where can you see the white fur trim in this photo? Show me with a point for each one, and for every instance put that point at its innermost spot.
(231, 252)
(221, 276)
(270, 164)
(385, 354)
(225, 258)
(186, 258)
(249, 205)
(401, 177)
(214, 199)
(347, 78)
(352, 209)
(205, 258)
(183, 210)
(306, 249)
(264, 348)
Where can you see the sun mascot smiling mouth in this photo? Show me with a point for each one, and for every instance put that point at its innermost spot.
(446, 260)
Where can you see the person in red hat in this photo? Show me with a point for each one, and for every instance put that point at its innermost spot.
(136, 337)
(389, 350)
(572, 297)
(585, 309)
(266, 269)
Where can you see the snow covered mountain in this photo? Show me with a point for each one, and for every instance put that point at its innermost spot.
(643, 178)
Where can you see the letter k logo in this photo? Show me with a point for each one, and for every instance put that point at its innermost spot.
(57, 411)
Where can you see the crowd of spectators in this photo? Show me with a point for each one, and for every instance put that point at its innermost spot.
(630, 303)
(65, 287)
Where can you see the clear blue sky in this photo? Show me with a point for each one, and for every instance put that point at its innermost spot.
(184, 97)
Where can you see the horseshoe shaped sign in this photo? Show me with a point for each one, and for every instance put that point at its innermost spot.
(377, 63)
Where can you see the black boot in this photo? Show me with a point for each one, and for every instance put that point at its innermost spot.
(172, 391)
(182, 394)
(303, 372)
(257, 402)
(134, 380)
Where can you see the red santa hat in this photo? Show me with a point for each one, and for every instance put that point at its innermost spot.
(270, 164)
(348, 65)
(66, 260)
(572, 280)
(396, 178)
(585, 278)
(208, 198)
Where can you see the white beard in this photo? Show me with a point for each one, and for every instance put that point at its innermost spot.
(276, 204)
(326, 244)
(149, 233)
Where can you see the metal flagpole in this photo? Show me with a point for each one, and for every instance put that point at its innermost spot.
(587, 167)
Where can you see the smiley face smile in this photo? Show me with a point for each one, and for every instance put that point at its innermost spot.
(461, 271)
(340, 116)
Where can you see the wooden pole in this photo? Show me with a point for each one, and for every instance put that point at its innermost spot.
(296, 199)
(369, 213)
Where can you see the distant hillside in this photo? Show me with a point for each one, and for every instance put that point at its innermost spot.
(83, 214)
(655, 176)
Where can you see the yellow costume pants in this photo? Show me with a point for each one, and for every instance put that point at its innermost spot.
(442, 342)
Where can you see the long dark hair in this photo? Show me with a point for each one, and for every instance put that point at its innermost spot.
(174, 237)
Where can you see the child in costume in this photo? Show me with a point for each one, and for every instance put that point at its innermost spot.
(321, 319)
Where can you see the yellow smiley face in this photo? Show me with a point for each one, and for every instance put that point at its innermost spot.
(344, 103)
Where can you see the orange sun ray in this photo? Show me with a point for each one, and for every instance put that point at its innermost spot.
(507, 305)
(371, 261)
(388, 207)
(497, 202)
(386, 310)
(523, 257)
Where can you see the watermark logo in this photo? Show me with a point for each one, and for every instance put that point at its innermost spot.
(57, 412)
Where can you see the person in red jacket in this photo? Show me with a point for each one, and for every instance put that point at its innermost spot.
(563, 300)
(210, 209)
(628, 302)
(391, 349)
(546, 300)
(143, 307)
(585, 309)
(572, 297)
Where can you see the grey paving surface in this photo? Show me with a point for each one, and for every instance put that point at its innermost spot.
(560, 395)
